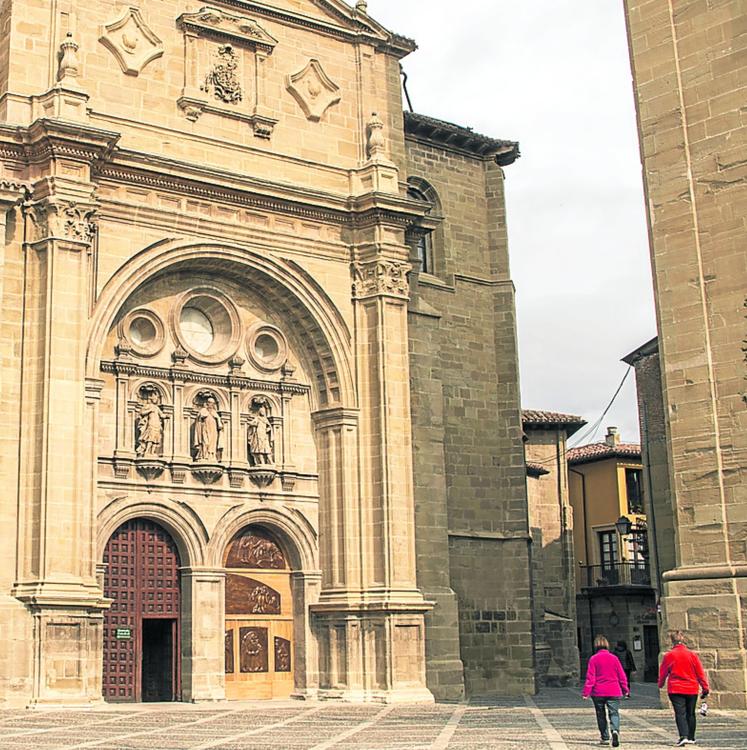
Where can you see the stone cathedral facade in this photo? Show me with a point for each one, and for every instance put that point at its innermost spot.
(259, 377)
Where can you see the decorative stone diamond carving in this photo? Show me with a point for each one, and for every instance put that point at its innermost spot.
(131, 42)
(313, 90)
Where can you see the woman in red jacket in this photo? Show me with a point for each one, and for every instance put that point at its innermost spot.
(682, 671)
(605, 684)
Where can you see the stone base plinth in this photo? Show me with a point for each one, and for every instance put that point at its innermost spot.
(710, 605)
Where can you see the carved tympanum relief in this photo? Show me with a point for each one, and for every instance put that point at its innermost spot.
(131, 41)
(252, 548)
(313, 89)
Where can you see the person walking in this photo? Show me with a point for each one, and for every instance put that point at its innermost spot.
(605, 684)
(683, 673)
(626, 659)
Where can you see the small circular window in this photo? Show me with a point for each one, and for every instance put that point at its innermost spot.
(144, 331)
(197, 329)
(207, 325)
(266, 347)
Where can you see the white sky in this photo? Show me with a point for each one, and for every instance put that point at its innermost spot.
(555, 76)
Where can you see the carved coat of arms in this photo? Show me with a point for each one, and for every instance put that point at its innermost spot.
(223, 79)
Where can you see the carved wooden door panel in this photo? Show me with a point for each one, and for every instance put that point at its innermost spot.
(259, 619)
(142, 579)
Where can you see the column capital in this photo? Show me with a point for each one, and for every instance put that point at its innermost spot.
(337, 417)
(381, 277)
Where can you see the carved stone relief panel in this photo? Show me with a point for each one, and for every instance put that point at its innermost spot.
(245, 596)
(229, 652)
(282, 655)
(224, 65)
(131, 41)
(253, 655)
(313, 89)
(253, 548)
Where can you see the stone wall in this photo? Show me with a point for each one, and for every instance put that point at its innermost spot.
(688, 61)
(551, 523)
(463, 356)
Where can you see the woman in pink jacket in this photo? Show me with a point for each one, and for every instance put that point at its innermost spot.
(605, 684)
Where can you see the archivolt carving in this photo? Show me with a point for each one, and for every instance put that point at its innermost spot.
(131, 42)
(313, 89)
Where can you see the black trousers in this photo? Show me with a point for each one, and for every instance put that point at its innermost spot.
(684, 713)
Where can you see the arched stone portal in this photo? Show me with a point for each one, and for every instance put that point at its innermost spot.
(142, 628)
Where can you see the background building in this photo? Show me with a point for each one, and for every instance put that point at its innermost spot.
(614, 593)
(688, 62)
(259, 366)
(551, 522)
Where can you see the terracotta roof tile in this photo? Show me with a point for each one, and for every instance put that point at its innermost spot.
(536, 419)
(600, 451)
(536, 470)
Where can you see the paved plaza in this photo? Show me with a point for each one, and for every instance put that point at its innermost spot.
(557, 719)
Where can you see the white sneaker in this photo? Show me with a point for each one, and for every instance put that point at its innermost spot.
(681, 742)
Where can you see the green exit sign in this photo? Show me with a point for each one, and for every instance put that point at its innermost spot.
(123, 634)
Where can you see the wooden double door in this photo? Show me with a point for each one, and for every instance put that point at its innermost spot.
(259, 655)
(142, 626)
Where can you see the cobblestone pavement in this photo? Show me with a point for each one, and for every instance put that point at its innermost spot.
(556, 719)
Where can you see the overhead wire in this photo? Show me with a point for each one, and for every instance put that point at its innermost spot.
(591, 429)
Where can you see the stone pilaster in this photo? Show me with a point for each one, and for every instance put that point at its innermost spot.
(203, 625)
(56, 574)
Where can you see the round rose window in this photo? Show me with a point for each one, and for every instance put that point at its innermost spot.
(197, 329)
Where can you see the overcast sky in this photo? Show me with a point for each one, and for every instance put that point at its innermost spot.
(555, 76)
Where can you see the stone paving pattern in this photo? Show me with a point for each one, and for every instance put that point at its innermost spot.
(556, 719)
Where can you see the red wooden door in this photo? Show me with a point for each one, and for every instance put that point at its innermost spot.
(142, 579)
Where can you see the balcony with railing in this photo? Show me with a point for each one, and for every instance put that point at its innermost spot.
(616, 575)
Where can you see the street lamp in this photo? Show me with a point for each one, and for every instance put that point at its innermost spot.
(624, 526)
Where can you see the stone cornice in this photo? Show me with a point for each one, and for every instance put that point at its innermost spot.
(47, 138)
(188, 376)
(151, 171)
(354, 26)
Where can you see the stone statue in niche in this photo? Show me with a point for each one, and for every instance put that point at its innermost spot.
(260, 434)
(208, 426)
(222, 79)
(149, 424)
